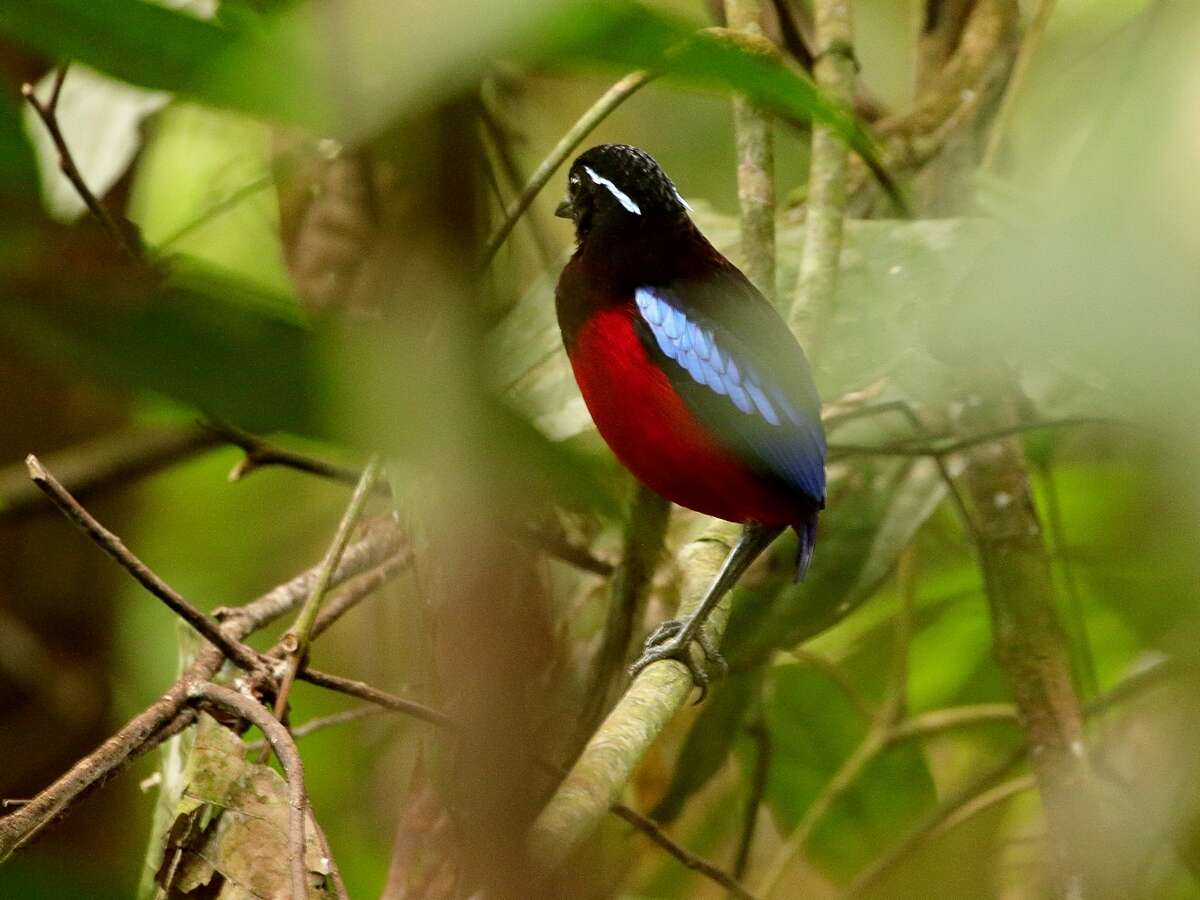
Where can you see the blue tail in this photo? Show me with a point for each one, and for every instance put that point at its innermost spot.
(807, 533)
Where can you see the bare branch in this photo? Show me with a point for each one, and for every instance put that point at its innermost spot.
(168, 715)
(954, 445)
(320, 723)
(296, 641)
(48, 113)
(143, 574)
(651, 829)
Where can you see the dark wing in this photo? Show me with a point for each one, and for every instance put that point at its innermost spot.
(734, 361)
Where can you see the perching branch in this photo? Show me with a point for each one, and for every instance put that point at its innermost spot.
(816, 283)
(596, 780)
(612, 98)
(111, 544)
(48, 113)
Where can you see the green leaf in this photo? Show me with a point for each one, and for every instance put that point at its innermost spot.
(709, 742)
(813, 729)
(349, 69)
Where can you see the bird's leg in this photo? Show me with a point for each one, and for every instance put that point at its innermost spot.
(672, 639)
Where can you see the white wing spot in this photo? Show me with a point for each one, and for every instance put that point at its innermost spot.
(624, 199)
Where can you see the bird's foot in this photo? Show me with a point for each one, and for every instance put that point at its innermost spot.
(669, 641)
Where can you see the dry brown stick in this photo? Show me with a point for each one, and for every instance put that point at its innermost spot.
(260, 453)
(954, 445)
(143, 574)
(20, 827)
(612, 98)
(109, 460)
(289, 758)
(651, 829)
(168, 715)
(552, 541)
(48, 113)
(320, 723)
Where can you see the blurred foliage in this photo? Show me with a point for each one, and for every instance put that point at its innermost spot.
(1074, 272)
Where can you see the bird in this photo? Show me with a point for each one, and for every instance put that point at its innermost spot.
(690, 375)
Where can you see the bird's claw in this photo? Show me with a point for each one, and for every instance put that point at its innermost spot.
(667, 642)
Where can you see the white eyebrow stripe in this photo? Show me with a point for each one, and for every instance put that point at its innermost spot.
(622, 198)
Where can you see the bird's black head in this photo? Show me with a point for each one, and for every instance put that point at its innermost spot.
(615, 184)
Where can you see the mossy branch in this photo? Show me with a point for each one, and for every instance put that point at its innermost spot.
(606, 764)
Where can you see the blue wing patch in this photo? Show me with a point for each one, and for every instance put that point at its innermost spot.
(791, 444)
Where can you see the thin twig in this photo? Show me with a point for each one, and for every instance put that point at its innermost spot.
(320, 723)
(651, 829)
(217, 209)
(143, 574)
(954, 445)
(612, 98)
(759, 776)
(168, 715)
(502, 144)
(289, 758)
(260, 453)
(297, 639)
(364, 691)
(551, 539)
(48, 113)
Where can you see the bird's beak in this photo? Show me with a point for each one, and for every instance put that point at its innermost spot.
(565, 210)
